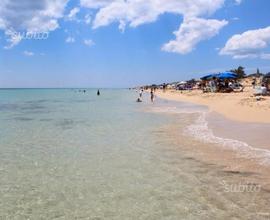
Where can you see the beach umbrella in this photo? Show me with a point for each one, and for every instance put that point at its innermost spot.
(226, 75)
(209, 76)
(181, 83)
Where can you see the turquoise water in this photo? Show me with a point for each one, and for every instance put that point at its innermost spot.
(72, 155)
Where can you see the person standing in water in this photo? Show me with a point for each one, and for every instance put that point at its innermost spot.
(98, 93)
(140, 93)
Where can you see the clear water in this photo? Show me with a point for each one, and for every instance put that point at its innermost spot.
(72, 155)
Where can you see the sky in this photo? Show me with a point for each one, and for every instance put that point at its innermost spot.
(124, 43)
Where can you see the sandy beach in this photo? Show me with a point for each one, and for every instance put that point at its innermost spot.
(233, 116)
(241, 106)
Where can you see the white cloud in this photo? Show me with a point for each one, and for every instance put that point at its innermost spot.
(88, 42)
(87, 19)
(235, 19)
(2, 23)
(238, 2)
(30, 16)
(28, 53)
(265, 56)
(44, 16)
(73, 13)
(250, 44)
(137, 12)
(70, 40)
(95, 3)
(191, 32)
(13, 39)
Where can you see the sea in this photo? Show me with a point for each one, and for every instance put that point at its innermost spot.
(70, 154)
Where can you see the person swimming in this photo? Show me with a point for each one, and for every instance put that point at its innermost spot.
(98, 93)
(139, 100)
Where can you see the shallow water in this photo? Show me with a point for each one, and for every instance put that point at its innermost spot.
(70, 155)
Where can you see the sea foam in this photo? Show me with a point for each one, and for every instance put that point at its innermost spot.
(201, 131)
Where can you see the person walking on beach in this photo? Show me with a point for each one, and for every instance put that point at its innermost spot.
(254, 82)
(164, 87)
(98, 93)
(152, 95)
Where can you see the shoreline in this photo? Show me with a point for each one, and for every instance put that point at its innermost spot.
(238, 148)
(241, 107)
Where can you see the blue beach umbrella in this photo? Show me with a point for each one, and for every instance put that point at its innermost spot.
(226, 75)
(209, 76)
(228, 72)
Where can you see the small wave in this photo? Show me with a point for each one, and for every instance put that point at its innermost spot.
(175, 110)
(201, 131)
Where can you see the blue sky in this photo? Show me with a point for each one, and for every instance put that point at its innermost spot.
(88, 48)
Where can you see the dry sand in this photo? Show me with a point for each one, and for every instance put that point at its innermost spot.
(241, 106)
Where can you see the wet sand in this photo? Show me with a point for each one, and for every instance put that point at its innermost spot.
(255, 134)
(240, 148)
(243, 182)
